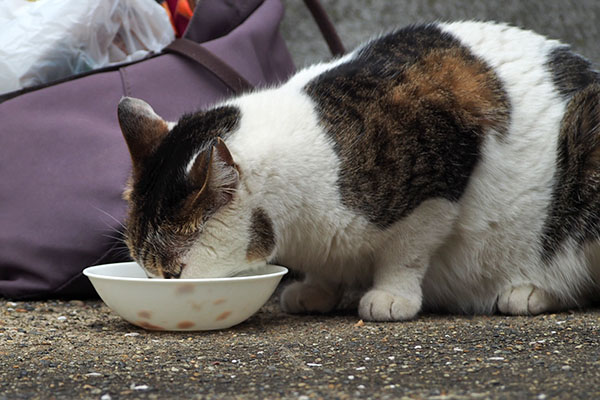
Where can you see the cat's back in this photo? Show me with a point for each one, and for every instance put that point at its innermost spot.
(469, 112)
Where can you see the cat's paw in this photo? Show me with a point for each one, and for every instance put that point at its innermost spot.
(379, 305)
(526, 300)
(301, 297)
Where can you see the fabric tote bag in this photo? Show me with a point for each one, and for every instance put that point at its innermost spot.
(64, 163)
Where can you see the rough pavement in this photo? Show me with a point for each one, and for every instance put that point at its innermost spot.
(81, 349)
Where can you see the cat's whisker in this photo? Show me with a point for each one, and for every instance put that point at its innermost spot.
(120, 223)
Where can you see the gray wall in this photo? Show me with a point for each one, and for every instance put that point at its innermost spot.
(576, 22)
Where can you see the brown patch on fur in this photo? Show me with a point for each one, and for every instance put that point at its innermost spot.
(262, 236)
(451, 79)
(407, 117)
(185, 325)
(219, 301)
(223, 316)
(145, 314)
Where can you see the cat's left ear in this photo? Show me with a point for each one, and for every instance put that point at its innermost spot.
(215, 176)
(142, 129)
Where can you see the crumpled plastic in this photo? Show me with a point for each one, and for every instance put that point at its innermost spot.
(46, 40)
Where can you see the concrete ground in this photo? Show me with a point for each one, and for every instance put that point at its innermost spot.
(80, 349)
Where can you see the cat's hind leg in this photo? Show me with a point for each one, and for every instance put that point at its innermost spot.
(312, 295)
(526, 299)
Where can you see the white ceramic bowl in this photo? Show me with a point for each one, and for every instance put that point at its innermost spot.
(182, 304)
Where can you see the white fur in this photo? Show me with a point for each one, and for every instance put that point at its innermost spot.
(462, 256)
(496, 243)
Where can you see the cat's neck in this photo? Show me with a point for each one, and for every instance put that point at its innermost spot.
(288, 165)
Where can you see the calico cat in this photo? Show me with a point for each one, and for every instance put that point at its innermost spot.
(442, 166)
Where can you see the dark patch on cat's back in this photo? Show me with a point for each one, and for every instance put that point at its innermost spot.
(570, 71)
(408, 116)
(262, 236)
(575, 208)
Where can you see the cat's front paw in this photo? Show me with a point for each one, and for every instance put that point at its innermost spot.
(379, 305)
(301, 297)
(526, 300)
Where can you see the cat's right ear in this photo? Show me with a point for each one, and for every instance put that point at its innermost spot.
(142, 129)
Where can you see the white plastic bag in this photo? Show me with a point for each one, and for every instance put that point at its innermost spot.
(45, 40)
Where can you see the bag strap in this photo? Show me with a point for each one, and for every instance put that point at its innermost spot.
(229, 76)
(326, 27)
(195, 51)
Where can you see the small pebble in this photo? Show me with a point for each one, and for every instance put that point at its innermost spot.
(106, 397)
(132, 334)
(62, 318)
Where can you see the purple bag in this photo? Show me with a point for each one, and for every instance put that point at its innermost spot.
(64, 163)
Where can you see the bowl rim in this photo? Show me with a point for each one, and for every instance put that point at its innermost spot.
(89, 272)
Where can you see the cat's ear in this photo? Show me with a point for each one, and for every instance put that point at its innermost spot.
(215, 176)
(142, 129)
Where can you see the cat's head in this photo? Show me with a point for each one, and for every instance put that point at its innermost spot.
(189, 212)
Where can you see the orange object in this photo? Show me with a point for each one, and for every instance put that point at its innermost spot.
(184, 9)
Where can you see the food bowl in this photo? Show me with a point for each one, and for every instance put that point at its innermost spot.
(182, 304)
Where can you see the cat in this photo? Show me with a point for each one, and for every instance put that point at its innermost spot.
(444, 166)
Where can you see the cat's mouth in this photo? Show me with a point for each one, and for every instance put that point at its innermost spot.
(162, 272)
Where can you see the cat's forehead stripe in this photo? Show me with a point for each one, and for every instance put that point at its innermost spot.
(190, 163)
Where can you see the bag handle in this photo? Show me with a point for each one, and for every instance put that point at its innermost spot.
(326, 27)
(229, 76)
(195, 51)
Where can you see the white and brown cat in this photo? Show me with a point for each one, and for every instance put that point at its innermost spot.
(443, 166)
